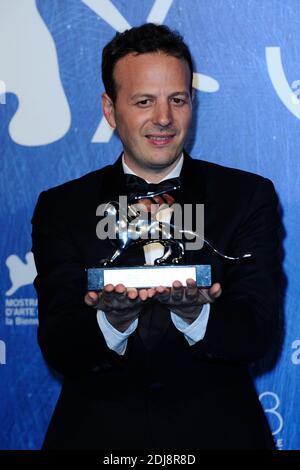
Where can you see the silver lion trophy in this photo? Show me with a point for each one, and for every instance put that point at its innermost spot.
(135, 224)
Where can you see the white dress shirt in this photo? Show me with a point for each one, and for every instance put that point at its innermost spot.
(193, 332)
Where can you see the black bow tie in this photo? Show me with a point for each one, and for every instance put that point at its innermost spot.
(140, 189)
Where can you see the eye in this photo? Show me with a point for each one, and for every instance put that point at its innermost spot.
(144, 103)
(178, 101)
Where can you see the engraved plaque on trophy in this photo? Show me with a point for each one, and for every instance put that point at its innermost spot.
(148, 276)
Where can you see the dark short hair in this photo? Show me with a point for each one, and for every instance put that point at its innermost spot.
(148, 37)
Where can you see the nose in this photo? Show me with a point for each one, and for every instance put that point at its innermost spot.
(162, 114)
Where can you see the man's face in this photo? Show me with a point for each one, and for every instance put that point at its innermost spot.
(152, 111)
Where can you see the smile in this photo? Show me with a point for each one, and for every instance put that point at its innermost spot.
(160, 139)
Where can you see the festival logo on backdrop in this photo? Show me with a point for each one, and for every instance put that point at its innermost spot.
(271, 404)
(287, 94)
(20, 273)
(29, 69)
(295, 357)
(20, 310)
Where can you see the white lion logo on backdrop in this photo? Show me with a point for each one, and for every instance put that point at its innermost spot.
(29, 69)
(21, 274)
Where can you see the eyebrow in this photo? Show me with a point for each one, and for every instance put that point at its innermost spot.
(148, 95)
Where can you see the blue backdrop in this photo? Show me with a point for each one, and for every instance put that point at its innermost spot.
(51, 130)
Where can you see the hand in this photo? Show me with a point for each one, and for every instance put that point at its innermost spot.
(121, 306)
(147, 205)
(186, 301)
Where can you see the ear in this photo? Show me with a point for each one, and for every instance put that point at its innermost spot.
(108, 110)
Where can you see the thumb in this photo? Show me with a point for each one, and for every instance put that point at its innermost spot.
(215, 291)
(91, 298)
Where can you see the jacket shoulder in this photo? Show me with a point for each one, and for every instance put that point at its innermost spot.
(227, 174)
(233, 183)
(73, 195)
(86, 182)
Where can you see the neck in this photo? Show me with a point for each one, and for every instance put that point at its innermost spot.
(153, 175)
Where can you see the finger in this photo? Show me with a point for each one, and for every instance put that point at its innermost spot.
(157, 203)
(215, 291)
(151, 292)
(108, 288)
(159, 200)
(191, 290)
(120, 289)
(168, 199)
(177, 290)
(209, 295)
(91, 298)
(163, 293)
(112, 293)
(143, 294)
(144, 205)
(176, 284)
(108, 293)
(204, 297)
(160, 289)
(132, 293)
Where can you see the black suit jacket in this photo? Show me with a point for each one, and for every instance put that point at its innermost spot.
(174, 396)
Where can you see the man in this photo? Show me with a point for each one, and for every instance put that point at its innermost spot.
(159, 367)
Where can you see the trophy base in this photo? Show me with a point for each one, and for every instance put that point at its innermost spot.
(148, 276)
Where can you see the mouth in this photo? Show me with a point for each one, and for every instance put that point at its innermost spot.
(159, 140)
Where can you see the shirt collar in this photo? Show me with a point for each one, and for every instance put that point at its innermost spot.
(173, 174)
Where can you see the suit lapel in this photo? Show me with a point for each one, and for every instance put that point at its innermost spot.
(193, 192)
(193, 182)
(114, 185)
(113, 182)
